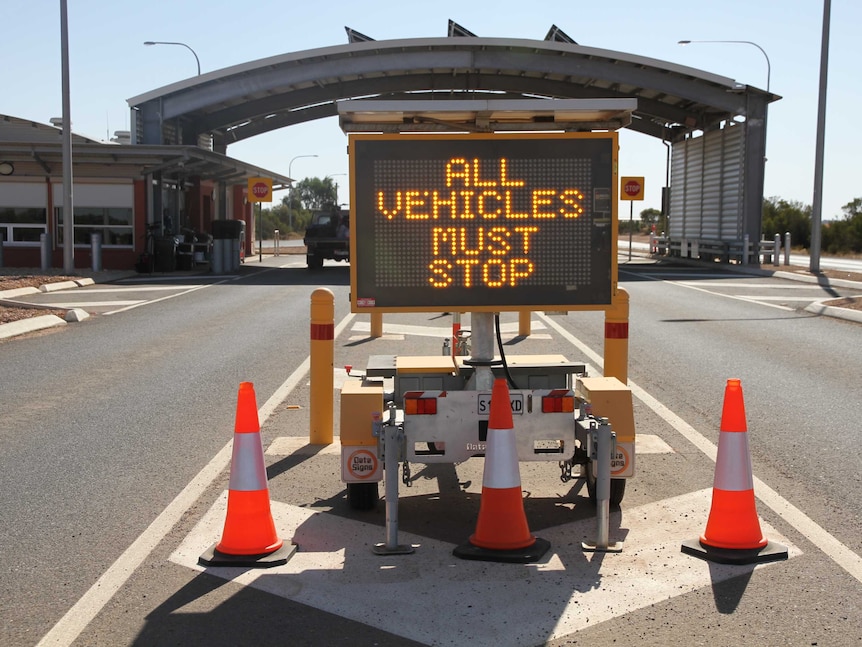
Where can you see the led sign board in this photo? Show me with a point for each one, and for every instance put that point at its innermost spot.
(483, 222)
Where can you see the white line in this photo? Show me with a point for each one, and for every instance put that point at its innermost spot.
(759, 298)
(728, 296)
(737, 284)
(834, 549)
(138, 288)
(170, 296)
(70, 626)
(91, 304)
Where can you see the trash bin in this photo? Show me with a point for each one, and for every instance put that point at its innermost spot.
(231, 233)
(165, 248)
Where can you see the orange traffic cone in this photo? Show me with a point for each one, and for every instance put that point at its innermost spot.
(502, 534)
(733, 534)
(249, 537)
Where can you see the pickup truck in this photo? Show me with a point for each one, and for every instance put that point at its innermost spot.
(327, 236)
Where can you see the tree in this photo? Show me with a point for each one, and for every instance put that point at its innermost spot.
(314, 194)
(781, 216)
(310, 194)
(650, 217)
(844, 235)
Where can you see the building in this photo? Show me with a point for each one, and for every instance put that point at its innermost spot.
(118, 190)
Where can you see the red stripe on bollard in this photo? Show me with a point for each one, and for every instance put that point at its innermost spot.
(322, 331)
(616, 330)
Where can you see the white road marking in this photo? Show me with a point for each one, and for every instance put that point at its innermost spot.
(738, 284)
(336, 571)
(727, 296)
(837, 552)
(140, 288)
(84, 610)
(70, 626)
(509, 328)
(761, 298)
(299, 445)
(170, 296)
(651, 444)
(90, 304)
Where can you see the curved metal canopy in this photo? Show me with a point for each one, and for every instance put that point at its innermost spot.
(245, 100)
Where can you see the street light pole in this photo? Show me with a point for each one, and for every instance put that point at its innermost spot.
(290, 198)
(68, 205)
(817, 205)
(164, 42)
(743, 42)
(329, 177)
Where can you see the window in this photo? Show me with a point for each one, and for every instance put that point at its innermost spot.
(114, 223)
(22, 224)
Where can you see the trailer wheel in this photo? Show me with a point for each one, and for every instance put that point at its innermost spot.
(618, 487)
(362, 496)
(315, 262)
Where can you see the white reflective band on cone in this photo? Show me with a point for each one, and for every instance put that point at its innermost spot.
(733, 464)
(247, 469)
(501, 460)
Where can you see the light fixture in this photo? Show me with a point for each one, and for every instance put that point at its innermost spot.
(7, 168)
(165, 42)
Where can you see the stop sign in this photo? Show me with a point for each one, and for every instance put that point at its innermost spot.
(632, 187)
(260, 190)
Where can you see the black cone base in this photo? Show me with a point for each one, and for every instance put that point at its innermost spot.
(772, 552)
(526, 555)
(212, 557)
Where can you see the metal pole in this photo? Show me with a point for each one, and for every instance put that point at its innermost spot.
(392, 437)
(605, 441)
(45, 245)
(68, 207)
(817, 203)
(96, 251)
(482, 350)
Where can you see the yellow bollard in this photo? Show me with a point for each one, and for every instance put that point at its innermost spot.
(524, 323)
(322, 355)
(377, 324)
(617, 337)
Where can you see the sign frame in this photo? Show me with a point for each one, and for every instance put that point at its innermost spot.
(394, 151)
(256, 181)
(626, 179)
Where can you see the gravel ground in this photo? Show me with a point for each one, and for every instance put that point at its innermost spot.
(13, 278)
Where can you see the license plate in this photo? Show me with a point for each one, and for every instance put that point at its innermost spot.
(516, 401)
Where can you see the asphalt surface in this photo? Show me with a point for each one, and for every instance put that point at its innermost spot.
(334, 590)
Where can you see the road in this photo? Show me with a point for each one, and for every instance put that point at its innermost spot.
(116, 435)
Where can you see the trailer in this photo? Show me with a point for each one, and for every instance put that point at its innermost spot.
(484, 223)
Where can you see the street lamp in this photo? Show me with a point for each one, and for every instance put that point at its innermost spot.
(743, 42)
(817, 205)
(290, 200)
(329, 177)
(163, 42)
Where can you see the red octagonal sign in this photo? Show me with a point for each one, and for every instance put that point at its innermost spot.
(632, 188)
(260, 190)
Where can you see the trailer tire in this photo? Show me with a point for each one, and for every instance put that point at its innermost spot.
(618, 487)
(362, 496)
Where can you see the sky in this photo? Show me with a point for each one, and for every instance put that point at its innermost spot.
(109, 64)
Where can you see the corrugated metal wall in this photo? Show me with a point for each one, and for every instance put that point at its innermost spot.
(706, 189)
